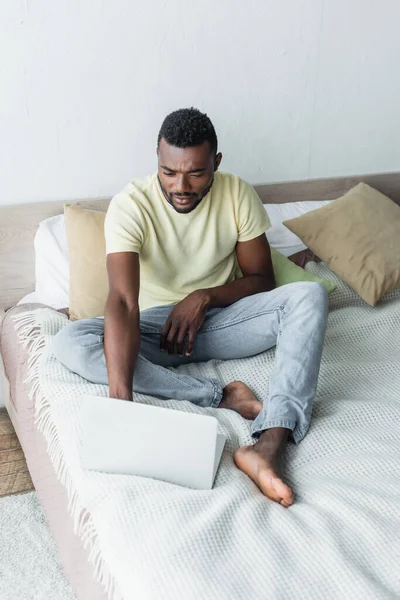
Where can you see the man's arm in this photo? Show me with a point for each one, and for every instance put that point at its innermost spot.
(254, 258)
(121, 322)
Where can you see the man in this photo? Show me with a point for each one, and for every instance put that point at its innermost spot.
(191, 279)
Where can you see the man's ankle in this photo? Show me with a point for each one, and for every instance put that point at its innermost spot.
(276, 437)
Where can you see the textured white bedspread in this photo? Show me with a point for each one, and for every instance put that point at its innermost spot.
(341, 539)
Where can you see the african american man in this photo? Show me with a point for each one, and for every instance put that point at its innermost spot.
(191, 279)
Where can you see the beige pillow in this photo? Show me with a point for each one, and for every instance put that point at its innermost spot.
(88, 285)
(358, 236)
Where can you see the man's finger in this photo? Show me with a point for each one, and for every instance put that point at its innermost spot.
(180, 338)
(164, 334)
(191, 338)
(171, 338)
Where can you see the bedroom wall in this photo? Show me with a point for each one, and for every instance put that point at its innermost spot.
(295, 89)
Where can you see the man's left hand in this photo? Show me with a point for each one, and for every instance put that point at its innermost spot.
(185, 319)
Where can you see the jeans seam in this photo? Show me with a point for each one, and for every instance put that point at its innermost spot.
(275, 423)
(241, 320)
(281, 319)
(92, 343)
(174, 375)
(217, 395)
(298, 433)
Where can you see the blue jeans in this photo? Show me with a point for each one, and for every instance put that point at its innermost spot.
(293, 317)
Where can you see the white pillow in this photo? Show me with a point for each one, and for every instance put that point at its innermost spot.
(52, 263)
(279, 236)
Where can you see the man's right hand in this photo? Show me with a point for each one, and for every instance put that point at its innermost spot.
(121, 395)
(122, 323)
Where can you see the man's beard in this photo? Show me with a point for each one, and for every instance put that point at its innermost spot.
(169, 197)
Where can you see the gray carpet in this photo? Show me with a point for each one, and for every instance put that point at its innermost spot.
(29, 565)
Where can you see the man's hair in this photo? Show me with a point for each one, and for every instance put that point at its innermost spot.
(188, 127)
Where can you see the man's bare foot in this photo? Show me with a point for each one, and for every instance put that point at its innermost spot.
(262, 461)
(238, 397)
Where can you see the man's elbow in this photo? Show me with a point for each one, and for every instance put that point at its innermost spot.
(117, 302)
(268, 282)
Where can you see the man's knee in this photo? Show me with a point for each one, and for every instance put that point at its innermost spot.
(313, 290)
(72, 343)
(311, 293)
(65, 341)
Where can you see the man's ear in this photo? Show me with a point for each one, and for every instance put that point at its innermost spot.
(217, 161)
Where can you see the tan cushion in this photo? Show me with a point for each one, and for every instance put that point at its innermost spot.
(88, 287)
(358, 236)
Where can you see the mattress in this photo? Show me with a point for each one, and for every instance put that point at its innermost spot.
(343, 534)
(51, 493)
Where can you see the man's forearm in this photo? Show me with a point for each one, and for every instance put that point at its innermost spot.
(121, 346)
(224, 295)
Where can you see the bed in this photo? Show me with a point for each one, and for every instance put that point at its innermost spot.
(17, 229)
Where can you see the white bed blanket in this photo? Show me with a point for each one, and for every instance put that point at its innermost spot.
(341, 539)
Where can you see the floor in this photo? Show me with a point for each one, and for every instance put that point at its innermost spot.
(14, 474)
(30, 567)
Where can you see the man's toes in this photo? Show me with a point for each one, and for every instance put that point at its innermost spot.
(287, 497)
(287, 502)
(284, 493)
(276, 490)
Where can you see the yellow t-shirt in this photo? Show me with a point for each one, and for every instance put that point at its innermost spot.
(180, 253)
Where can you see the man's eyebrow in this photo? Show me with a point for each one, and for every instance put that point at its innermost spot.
(192, 171)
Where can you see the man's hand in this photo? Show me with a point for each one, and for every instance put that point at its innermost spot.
(185, 319)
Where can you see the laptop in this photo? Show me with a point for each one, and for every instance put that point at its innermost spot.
(129, 438)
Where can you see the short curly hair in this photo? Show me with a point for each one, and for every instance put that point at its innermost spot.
(188, 127)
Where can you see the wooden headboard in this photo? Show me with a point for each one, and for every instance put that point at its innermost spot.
(18, 224)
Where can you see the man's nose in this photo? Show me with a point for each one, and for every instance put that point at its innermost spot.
(182, 186)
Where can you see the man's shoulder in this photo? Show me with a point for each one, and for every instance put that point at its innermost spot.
(232, 184)
(139, 187)
(224, 178)
(136, 194)
(125, 222)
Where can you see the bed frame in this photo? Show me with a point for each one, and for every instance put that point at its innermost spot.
(18, 225)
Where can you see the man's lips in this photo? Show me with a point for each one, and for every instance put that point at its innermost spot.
(183, 199)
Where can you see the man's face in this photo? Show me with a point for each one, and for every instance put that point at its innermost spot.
(186, 174)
